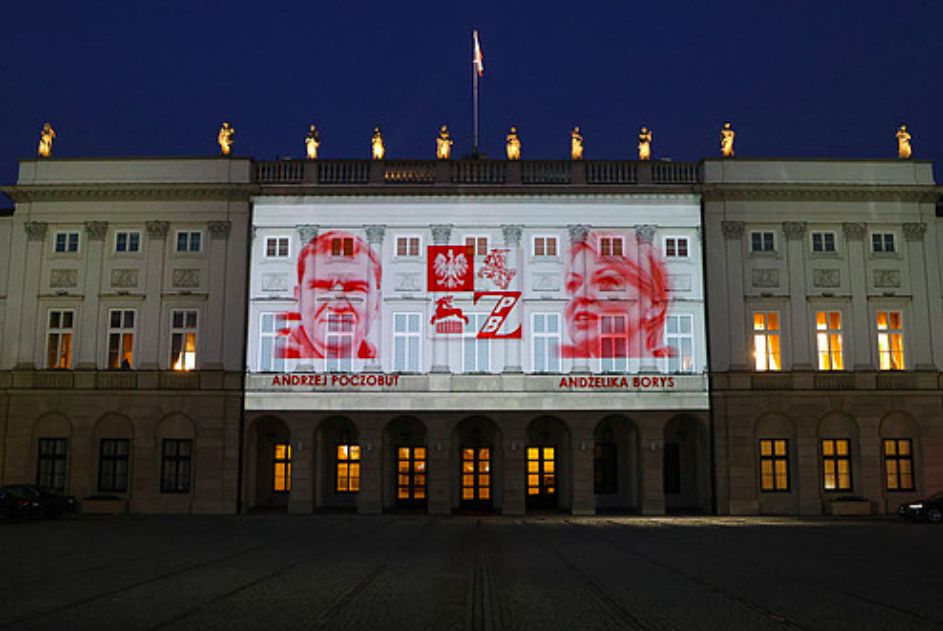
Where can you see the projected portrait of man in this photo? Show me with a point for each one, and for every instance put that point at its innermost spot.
(618, 290)
(338, 295)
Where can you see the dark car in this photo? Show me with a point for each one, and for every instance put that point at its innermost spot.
(15, 505)
(36, 501)
(929, 509)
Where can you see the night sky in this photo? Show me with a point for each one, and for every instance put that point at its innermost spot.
(157, 78)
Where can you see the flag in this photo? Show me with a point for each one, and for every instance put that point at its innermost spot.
(479, 60)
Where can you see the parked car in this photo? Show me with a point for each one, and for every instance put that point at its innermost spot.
(14, 505)
(35, 501)
(929, 509)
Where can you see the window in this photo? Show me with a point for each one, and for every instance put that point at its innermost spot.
(407, 335)
(276, 247)
(679, 336)
(51, 465)
(762, 242)
(127, 242)
(407, 246)
(605, 468)
(348, 469)
(545, 246)
(823, 241)
(613, 343)
(340, 342)
(270, 329)
(610, 246)
(189, 241)
(774, 465)
(342, 246)
(828, 340)
(476, 246)
(898, 464)
(836, 464)
(541, 471)
(183, 331)
(676, 247)
(766, 340)
(59, 339)
(113, 465)
(282, 468)
(121, 338)
(545, 337)
(476, 353)
(882, 242)
(175, 467)
(890, 340)
(66, 242)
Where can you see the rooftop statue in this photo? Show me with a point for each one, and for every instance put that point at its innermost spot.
(576, 144)
(645, 144)
(46, 136)
(514, 144)
(379, 150)
(727, 135)
(443, 144)
(903, 143)
(312, 142)
(225, 138)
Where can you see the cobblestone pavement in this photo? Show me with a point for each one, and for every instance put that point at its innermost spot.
(487, 573)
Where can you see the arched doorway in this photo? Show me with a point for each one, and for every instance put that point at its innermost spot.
(685, 478)
(478, 440)
(547, 485)
(338, 467)
(616, 465)
(270, 469)
(406, 457)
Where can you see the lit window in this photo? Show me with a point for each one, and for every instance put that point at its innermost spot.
(679, 337)
(348, 469)
(828, 340)
(766, 336)
(610, 246)
(189, 241)
(66, 242)
(890, 340)
(836, 464)
(271, 328)
(59, 338)
(276, 247)
(676, 247)
(545, 337)
(407, 246)
(175, 466)
(340, 342)
(898, 464)
(762, 242)
(605, 468)
(51, 470)
(407, 338)
(823, 241)
(410, 474)
(545, 246)
(476, 474)
(476, 353)
(774, 465)
(342, 246)
(121, 338)
(282, 468)
(541, 471)
(882, 242)
(476, 246)
(614, 343)
(127, 242)
(183, 331)
(113, 456)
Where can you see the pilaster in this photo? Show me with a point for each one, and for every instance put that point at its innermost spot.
(150, 316)
(512, 241)
(861, 347)
(441, 235)
(375, 234)
(95, 232)
(798, 309)
(29, 316)
(736, 311)
(214, 316)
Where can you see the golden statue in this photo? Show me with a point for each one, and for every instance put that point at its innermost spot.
(576, 144)
(645, 144)
(514, 145)
(312, 142)
(225, 138)
(727, 135)
(903, 143)
(379, 150)
(46, 136)
(443, 144)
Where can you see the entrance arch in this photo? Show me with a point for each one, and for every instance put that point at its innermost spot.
(547, 480)
(406, 458)
(269, 464)
(686, 469)
(480, 476)
(617, 465)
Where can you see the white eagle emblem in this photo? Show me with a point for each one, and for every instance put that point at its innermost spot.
(451, 271)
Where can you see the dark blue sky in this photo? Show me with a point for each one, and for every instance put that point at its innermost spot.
(796, 78)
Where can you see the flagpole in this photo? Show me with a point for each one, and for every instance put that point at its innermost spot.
(475, 107)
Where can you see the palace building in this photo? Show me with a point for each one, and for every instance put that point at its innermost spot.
(216, 335)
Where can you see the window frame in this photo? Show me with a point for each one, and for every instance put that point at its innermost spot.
(176, 461)
(60, 331)
(884, 234)
(477, 247)
(407, 336)
(278, 364)
(678, 240)
(681, 336)
(189, 237)
(897, 458)
(823, 234)
(470, 334)
(836, 458)
(348, 460)
(606, 453)
(113, 462)
(183, 331)
(407, 239)
(278, 239)
(545, 239)
(766, 332)
(762, 234)
(59, 462)
(890, 334)
(128, 235)
(828, 334)
(546, 335)
(122, 331)
(285, 462)
(773, 457)
(68, 242)
(611, 239)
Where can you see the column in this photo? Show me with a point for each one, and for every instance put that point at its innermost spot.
(581, 472)
(150, 316)
(798, 309)
(441, 234)
(652, 448)
(578, 236)
(443, 470)
(644, 236)
(512, 241)
(375, 333)
(370, 498)
(35, 242)
(515, 477)
(921, 317)
(303, 460)
(212, 326)
(95, 232)
(306, 234)
(857, 282)
(736, 311)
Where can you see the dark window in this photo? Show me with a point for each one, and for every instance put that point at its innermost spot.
(836, 464)
(113, 465)
(175, 466)
(51, 468)
(189, 241)
(127, 242)
(774, 465)
(761, 242)
(882, 242)
(672, 472)
(899, 464)
(605, 468)
(823, 241)
(342, 246)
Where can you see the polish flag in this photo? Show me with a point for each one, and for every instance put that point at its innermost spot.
(479, 60)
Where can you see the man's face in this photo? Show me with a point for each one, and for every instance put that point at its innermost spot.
(597, 287)
(333, 300)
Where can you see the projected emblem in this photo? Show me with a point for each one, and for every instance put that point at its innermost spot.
(447, 318)
(450, 269)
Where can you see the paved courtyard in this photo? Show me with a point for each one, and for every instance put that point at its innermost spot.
(489, 573)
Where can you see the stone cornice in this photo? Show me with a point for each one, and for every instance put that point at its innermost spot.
(130, 192)
(818, 192)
